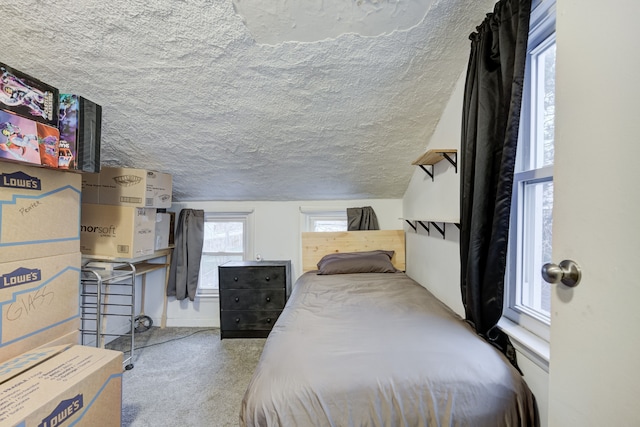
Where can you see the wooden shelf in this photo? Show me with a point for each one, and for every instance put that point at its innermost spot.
(146, 267)
(431, 157)
(432, 219)
(157, 254)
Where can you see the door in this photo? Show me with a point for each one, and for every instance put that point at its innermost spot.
(594, 373)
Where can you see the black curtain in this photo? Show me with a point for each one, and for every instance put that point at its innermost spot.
(362, 219)
(490, 120)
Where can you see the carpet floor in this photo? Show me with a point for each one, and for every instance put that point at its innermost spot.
(186, 377)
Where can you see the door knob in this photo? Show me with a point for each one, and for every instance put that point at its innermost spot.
(568, 272)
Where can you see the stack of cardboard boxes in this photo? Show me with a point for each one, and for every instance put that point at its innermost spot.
(39, 249)
(46, 378)
(120, 217)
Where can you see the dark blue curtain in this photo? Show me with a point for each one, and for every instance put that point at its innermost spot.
(490, 120)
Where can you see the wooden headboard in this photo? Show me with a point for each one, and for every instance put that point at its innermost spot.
(315, 245)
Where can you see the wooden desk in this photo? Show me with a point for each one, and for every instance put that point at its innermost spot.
(143, 265)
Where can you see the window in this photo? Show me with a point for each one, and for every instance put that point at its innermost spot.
(225, 239)
(528, 295)
(326, 220)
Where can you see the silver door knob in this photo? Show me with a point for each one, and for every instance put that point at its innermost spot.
(567, 272)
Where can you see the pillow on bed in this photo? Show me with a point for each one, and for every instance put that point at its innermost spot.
(357, 262)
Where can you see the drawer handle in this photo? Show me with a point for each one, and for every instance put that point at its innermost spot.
(235, 279)
(269, 320)
(267, 278)
(268, 299)
(237, 299)
(237, 320)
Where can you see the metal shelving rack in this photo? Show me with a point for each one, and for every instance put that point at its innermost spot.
(97, 300)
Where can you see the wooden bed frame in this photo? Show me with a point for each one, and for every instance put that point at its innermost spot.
(315, 245)
(378, 349)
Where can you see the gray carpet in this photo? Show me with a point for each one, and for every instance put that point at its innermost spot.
(186, 377)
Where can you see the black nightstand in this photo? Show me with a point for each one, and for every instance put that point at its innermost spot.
(252, 296)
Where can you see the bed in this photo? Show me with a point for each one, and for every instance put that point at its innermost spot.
(377, 349)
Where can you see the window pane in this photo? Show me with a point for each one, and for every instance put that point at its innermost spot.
(535, 293)
(329, 225)
(224, 240)
(209, 269)
(545, 87)
(223, 236)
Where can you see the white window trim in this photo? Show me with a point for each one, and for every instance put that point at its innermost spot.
(529, 335)
(247, 218)
(531, 345)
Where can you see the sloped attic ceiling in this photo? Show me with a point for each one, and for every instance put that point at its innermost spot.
(254, 99)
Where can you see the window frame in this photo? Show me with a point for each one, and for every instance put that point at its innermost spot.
(247, 241)
(332, 214)
(541, 36)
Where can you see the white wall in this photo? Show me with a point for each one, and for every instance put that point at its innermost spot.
(433, 261)
(276, 236)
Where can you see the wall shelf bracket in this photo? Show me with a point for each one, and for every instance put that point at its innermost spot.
(427, 170)
(454, 162)
(428, 224)
(414, 224)
(425, 226)
(411, 224)
(441, 230)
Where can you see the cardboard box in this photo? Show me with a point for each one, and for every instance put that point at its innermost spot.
(91, 188)
(117, 231)
(28, 96)
(17, 365)
(80, 133)
(62, 386)
(159, 189)
(129, 187)
(39, 302)
(24, 140)
(163, 227)
(39, 212)
(72, 338)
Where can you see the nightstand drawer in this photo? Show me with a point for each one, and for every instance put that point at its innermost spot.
(248, 320)
(252, 295)
(250, 299)
(252, 277)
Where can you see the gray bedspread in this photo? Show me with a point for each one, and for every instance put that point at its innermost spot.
(378, 349)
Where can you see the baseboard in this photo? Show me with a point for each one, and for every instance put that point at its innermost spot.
(191, 323)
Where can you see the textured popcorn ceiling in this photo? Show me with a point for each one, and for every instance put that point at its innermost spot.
(277, 21)
(250, 99)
